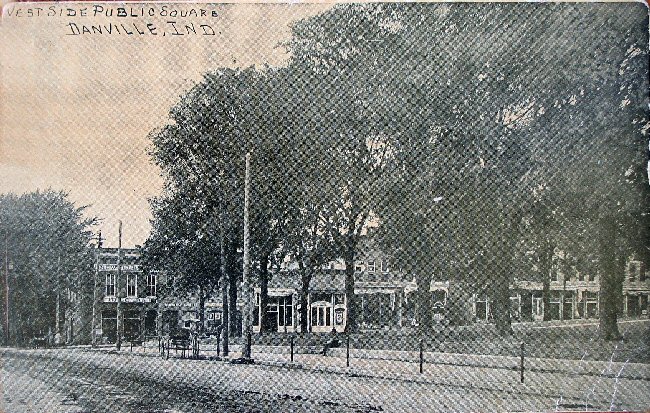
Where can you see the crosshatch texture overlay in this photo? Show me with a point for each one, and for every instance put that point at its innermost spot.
(398, 207)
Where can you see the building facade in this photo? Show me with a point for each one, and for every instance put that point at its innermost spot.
(385, 298)
(123, 289)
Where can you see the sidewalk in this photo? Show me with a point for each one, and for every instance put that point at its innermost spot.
(570, 382)
(584, 383)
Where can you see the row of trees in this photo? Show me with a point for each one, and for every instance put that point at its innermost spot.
(476, 150)
(46, 265)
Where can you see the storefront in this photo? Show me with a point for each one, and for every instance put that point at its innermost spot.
(123, 280)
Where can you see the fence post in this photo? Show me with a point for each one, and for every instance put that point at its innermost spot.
(347, 351)
(292, 349)
(521, 364)
(421, 356)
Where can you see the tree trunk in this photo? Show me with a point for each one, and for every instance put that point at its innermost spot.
(500, 267)
(305, 280)
(224, 288)
(201, 309)
(235, 322)
(351, 325)
(264, 292)
(501, 308)
(610, 280)
(458, 302)
(423, 304)
(546, 268)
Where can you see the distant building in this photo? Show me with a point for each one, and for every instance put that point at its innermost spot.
(138, 292)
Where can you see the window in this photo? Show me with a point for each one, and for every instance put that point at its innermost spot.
(642, 271)
(132, 285)
(439, 296)
(384, 265)
(339, 298)
(632, 270)
(285, 311)
(359, 266)
(321, 314)
(371, 266)
(110, 285)
(151, 285)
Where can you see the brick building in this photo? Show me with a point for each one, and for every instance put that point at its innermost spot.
(137, 291)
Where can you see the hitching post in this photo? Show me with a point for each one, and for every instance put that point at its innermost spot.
(521, 364)
(292, 349)
(421, 355)
(347, 352)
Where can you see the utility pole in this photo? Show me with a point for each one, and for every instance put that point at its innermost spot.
(224, 285)
(247, 318)
(6, 287)
(57, 325)
(94, 320)
(118, 343)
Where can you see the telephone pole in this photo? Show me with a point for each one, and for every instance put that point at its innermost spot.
(57, 324)
(247, 318)
(118, 343)
(94, 319)
(6, 288)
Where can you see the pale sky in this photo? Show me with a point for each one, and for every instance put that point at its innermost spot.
(75, 111)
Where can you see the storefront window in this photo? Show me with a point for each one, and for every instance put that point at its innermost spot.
(321, 315)
(285, 311)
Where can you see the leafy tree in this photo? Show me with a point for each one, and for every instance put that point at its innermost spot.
(45, 240)
(201, 152)
(598, 169)
(484, 116)
(183, 245)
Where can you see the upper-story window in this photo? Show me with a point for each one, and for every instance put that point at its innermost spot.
(110, 285)
(384, 265)
(132, 285)
(642, 276)
(371, 266)
(358, 267)
(151, 285)
(632, 268)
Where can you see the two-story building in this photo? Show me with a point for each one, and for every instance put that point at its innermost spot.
(124, 280)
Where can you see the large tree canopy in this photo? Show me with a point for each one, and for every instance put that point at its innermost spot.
(461, 140)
